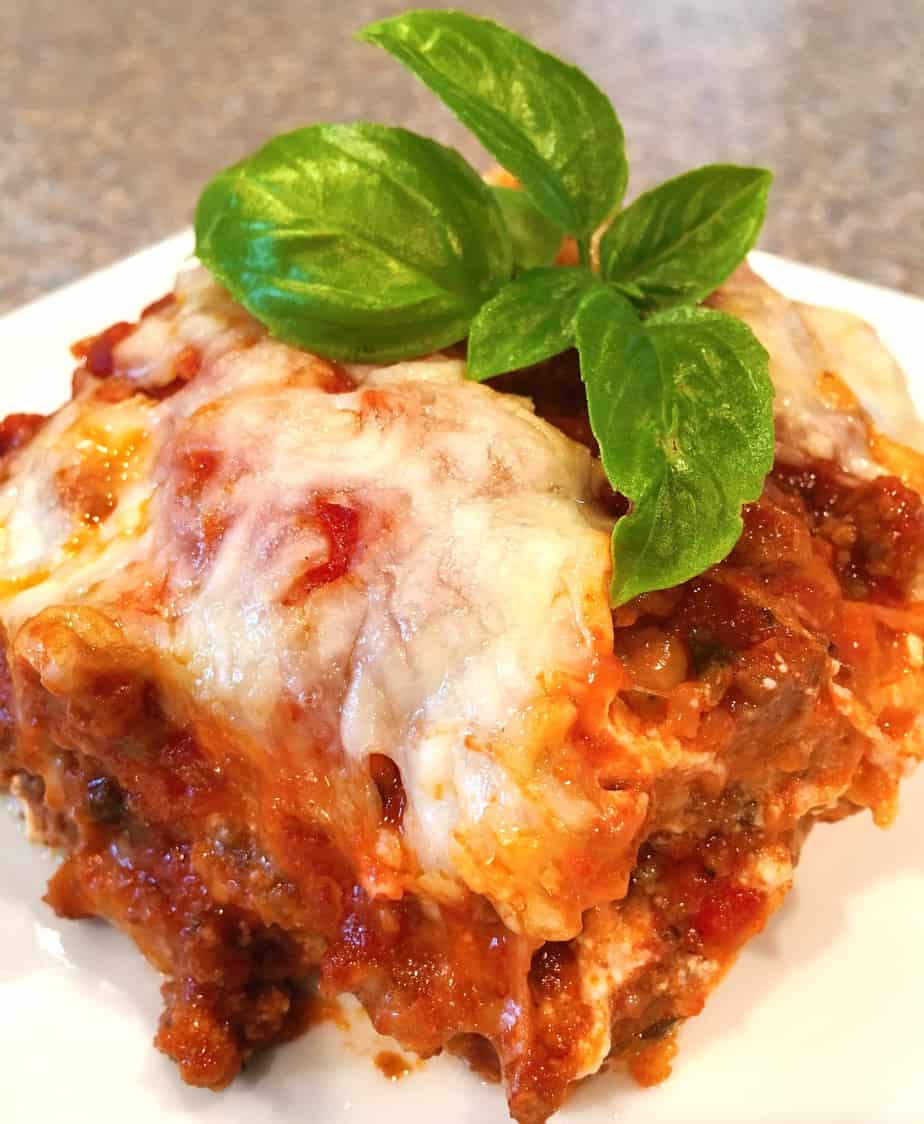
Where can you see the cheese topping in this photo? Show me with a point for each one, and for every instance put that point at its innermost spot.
(454, 635)
(807, 345)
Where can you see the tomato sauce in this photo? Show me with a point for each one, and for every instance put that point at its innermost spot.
(391, 1065)
(340, 526)
(17, 430)
(97, 352)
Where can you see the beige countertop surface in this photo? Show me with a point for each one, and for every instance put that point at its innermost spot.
(113, 114)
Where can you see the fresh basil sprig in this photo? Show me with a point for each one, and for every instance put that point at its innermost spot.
(675, 244)
(683, 411)
(530, 319)
(368, 243)
(356, 241)
(541, 119)
(536, 239)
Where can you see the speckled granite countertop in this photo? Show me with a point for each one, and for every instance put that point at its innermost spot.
(114, 114)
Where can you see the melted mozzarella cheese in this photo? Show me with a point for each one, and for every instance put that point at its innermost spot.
(805, 344)
(473, 609)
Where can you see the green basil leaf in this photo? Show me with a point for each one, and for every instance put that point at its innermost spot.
(628, 289)
(541, 119)
(679, 241)
(536, 240)
(682, 409)
(360, 242)
(530, 319)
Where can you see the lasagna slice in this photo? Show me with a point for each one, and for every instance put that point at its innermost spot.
(311, 672)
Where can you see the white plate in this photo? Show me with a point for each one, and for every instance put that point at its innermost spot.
(818, 1023)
